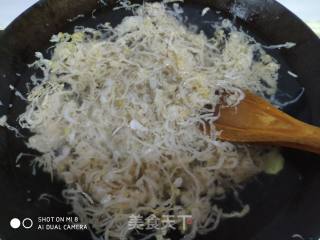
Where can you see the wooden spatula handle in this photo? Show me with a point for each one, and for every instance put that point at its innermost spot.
(255, 120)
(304, 137)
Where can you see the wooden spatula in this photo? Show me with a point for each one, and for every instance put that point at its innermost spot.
(255, 120)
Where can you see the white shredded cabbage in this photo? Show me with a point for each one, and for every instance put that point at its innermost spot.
(293, 74)
(92, 13)
(205, 11)
(3, 120)
(279, 46)
(103, 2)
(76, 18)
(17, 93)
(240, 11)
(118, 113)
(4, 123)
(283, 104)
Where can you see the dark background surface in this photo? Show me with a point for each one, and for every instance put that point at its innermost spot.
(281, 205)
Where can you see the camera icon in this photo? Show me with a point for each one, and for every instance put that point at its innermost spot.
(26, 223)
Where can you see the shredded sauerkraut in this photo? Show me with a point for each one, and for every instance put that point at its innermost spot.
(118, 111)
